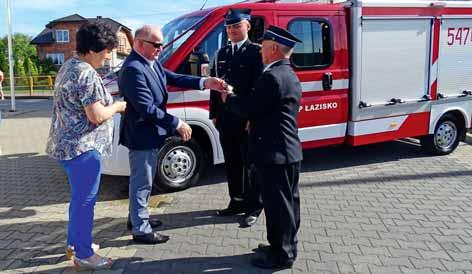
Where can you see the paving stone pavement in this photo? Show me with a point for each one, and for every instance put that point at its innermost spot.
(385, 208)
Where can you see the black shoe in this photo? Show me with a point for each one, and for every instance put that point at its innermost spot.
(151, 238)
(264, 248)
(270, 262)
(248, 220)
(230, 211)
(153, 222)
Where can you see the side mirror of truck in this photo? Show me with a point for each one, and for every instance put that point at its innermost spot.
(199, 64)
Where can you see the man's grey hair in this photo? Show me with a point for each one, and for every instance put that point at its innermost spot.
(287, 51)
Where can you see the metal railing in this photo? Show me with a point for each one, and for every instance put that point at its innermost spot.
(31, 85)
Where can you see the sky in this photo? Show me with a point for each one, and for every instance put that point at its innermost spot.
(31, 16)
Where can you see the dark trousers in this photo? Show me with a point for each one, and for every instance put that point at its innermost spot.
(243, 188)
(253, 196)
(281, 198)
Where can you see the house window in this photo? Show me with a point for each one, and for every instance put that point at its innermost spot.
(122, 44)
(316, 51)
(56, 58)
(62, 36)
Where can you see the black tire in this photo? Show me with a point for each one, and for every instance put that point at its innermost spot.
(446, 137)
(180, 165)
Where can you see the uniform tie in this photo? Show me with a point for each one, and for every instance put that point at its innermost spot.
(235, 48)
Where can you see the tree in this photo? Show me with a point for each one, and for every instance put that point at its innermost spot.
(22, 52)
(3, 57)
(30, 67)
(4, 65)
(20, 72)
(46, 67)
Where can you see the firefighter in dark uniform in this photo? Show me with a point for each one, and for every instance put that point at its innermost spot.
(274, 146)
(240, 65)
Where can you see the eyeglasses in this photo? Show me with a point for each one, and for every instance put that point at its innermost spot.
(156, 45)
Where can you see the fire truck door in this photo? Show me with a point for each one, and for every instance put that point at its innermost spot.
(321, 64)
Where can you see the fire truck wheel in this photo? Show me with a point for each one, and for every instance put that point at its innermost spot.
(446, 137)
(179, 166)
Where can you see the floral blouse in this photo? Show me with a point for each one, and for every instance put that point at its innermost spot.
(77, 86)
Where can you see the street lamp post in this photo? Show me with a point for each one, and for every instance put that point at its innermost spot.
(10, 57)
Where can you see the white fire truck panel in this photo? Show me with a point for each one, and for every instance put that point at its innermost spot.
(455, 59)
(388, 47)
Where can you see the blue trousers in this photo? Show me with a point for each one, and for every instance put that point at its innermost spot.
(83, 173)
(143, 165)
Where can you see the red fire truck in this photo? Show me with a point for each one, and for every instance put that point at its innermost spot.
(371, 71)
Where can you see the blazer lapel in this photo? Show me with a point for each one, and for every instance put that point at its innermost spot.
(160, 79)
(242, 49)
(229, 52)
(149, 71)
(154, 74)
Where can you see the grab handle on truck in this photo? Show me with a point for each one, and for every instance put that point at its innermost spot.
(426, 97)
(363, 104)
(328, 81)
(466, 93)
(395, 101)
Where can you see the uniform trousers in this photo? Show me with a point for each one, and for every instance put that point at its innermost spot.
(281, 199)
(243, 190)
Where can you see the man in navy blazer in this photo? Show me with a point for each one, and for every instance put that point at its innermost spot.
(146, 123)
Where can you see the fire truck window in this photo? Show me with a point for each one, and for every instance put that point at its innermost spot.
(215, 40)
(316, 49)
(218, 38)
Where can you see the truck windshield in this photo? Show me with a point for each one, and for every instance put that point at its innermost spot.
(173, 31)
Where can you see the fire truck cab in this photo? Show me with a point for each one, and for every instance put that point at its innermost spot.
(371, 71)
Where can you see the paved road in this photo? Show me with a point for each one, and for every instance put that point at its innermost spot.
(385, 208)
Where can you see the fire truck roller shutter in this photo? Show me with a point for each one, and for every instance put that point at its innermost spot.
(395, 59)
(455, 62)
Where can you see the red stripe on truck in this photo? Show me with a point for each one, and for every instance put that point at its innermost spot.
(417, 124)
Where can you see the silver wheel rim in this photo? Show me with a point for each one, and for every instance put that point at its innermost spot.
(445, 136)
(178, 165)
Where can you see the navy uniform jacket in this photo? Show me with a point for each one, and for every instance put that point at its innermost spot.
(146, 124)
(272, 110)
(241, 71)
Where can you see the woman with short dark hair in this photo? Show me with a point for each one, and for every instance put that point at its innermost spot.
(81, 132)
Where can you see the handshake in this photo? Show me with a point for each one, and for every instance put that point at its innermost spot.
(219, 85)
(213, 83)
